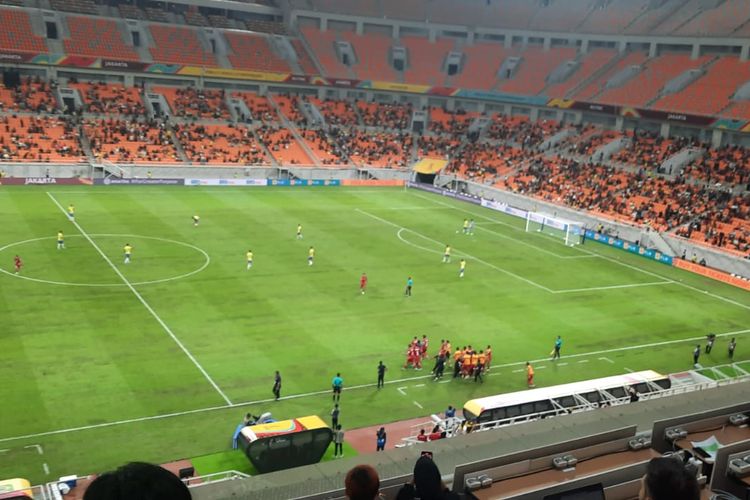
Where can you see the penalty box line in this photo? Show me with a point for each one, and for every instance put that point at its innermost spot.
(145, 304)
(601, 256)
(361, 386)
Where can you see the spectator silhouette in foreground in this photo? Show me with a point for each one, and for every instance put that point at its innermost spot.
(666, 479)
(137, 481)
(362, 483)
(427, 483)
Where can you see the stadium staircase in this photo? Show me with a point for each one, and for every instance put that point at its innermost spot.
(595, 76)
(263, 146)
(705, 67)
(292, 129)
(174, 136)
(304, 44)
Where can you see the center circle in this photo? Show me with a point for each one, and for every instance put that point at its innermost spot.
(124, 237)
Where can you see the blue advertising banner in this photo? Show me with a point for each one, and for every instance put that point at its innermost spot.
(649, 253)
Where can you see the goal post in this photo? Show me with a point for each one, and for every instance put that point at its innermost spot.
(569, 231)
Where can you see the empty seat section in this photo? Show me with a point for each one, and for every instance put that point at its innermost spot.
(178, 45)
(303, 58)
(481, 64)
(360, 7)
(590, 64)
(322, 44)
(253, 52)
(16, 32)
(536, 65)
(739, 110)
(97, 38)
(723, 19)
(645, 86)
(711, 93)
(43, 139)
(613, 16)
(416, 10)
(373, 53)
(425, 59)
(593, 88)
(560, 16)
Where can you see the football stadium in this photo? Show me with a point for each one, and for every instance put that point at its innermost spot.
(328, 249)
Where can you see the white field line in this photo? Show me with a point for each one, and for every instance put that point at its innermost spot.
(583, 360)
(606, 359)
(613, 287)
(629, 370)
(418, 405)
(401, 390)
(45, 467)
(562, 364)
(504, 271)
(573, 290)
(361, 386)
(145, 304)
(596, 254)
(38, 448)
(530, 245)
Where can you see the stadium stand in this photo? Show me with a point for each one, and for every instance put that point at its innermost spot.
(322, 146)
(129, 11)
(322, 45)
(536, 65)
(709, 94)
(17, 33)
(336, 112)
(376, 149)
(220, 144)
(32, 94)
(155, 14)
(303, 58)
(647, 84)
(612, 17)
(590, 64)
(722, 19)
(195, 18)
(288, 106)
(560, 16)
(109, 98)
(648, 150)
(39, 139)
(251, 51)
(481, 64)
(131, 141)
(79, 6)
(283, 146)
(178, 45)
(195, 103)
(454, 123)
(596, 86)
(265, 26)
(97, 38)
(425, 59)
(389, 116)
(258, 106)
(373, 53)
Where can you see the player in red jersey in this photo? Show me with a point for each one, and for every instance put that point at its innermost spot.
(424, 346)
(363, 283)
(18, 263)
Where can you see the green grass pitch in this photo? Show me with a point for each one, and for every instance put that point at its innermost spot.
(93, 350)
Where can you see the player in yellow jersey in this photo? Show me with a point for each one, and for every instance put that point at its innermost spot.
(310, 256)
(196, 220)
(466, 226)
(447, 254)
(249, 256)
(71, 212)
(461, 268)
(299, 231)
(60, 240)
(128, 250)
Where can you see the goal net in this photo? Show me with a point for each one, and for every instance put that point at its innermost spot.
(568, 231)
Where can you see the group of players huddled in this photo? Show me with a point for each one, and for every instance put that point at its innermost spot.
(467, 362)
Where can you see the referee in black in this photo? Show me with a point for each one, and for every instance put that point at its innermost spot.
(381, 375)
(277, 385)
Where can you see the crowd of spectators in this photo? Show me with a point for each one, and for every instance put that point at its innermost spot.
(106, 98)
(131, 141)
(44, 138)
(378, 149)
(727, 165)
(189, 102)
(220, 144)
(649, 150)
(31, 95)
(388, 116)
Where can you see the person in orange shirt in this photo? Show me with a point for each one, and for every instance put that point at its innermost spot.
(457, 357)
(466, 364)
(479, 367)
(529, 375)
(488, 354)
